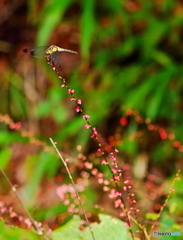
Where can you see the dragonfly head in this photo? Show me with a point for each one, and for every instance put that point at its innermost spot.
(51, 49)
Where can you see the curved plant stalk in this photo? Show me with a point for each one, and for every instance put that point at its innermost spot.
(75, 189)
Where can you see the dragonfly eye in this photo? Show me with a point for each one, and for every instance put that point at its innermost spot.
(25, 50)
(47, 51)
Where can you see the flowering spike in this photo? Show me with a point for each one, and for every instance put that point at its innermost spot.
(94, 130)
(87, 126)
(116, 150)
(79, 101)
(78, 109)
(116, 178)
(85, 116)
(118, 193)
(113, 170)
(92, 135)
(105, 188)
(126, 181)
(104, 161)
(70, 91)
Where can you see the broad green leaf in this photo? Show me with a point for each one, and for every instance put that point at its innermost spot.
(109, 228)
(8, 232)
(69, 231)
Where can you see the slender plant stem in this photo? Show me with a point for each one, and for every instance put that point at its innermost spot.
(166, 200)
(23, 206)
(74, 186)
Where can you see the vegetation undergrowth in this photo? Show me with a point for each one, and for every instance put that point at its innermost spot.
(119, 185)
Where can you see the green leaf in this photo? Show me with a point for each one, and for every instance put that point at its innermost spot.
(44, 108)
(70, 129)
(109, 228)
(161, 58)
(152, 216)
(155, 32)
(137, 96)
(159, 92)
(129, 147)
(5, 156)
(15, 233)
(44, 163)
(7, 137)
(87, 27)
(51, 15)
(68, 231)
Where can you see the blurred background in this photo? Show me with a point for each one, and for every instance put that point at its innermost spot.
(129, 75)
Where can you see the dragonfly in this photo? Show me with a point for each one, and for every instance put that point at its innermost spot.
(51, 53)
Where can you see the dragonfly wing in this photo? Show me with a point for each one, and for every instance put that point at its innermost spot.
(38, 52)
(56, 60)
